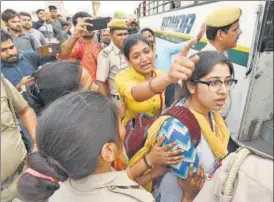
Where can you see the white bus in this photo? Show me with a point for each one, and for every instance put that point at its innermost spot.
(251, 115)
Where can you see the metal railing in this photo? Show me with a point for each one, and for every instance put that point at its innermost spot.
(148, 8)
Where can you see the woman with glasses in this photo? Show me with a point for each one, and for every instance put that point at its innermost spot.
(204, 93)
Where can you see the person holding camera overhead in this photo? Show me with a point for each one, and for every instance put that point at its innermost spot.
(81, 45)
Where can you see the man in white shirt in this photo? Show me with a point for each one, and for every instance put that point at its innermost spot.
(223, 31)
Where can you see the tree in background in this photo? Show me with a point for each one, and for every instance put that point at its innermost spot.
(119, 15)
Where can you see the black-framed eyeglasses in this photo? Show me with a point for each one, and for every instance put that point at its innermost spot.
(216, 85)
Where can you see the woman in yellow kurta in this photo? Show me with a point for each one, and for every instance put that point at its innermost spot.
(141, 86)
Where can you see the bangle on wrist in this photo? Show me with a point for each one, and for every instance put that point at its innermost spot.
(149, 166)
(149, 84)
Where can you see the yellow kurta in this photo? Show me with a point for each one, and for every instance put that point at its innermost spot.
(124, 81)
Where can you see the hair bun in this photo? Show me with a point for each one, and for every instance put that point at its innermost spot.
(32, 188)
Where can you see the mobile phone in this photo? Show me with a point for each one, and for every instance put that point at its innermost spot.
(98, 24)
(49, 50)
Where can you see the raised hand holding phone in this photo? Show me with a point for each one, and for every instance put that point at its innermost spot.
(81, 28)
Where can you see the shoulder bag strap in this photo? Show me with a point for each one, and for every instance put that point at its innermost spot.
(184, 115)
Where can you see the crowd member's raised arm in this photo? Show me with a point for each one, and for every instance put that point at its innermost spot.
(175, 48)
(67, 47)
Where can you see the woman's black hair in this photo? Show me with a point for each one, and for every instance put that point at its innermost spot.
(147, 30)
(70, 135)
(208, 59)
(131, 41)
(53, 81)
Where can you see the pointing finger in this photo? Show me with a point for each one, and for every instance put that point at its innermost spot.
(195, 59)
(188, 47)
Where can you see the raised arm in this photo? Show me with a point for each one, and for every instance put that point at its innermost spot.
(67, 46)
(177, 47)
(181, 69)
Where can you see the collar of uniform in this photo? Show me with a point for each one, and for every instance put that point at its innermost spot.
(117, 51)
(114, 178)
(209, 46)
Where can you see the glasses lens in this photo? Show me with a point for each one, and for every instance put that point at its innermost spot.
(215, 86)
(232, 83)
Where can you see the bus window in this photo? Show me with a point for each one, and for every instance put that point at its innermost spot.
(175, 4)
(160, 6)
(154, 7)
(147, 8)
(267, 34)
(187, 3)
(166, 5)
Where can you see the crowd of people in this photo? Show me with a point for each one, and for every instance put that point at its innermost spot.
(69, 120)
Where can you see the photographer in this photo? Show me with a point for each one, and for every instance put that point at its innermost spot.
(81, 45)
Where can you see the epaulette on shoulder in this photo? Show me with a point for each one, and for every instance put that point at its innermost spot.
(106, 51)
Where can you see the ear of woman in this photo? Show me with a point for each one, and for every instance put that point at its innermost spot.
(109, 152)
(190, 87)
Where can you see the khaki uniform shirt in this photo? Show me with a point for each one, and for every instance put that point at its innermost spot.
(13, 150)
(253, 182)
(226, 108)
(112, 186)
(110, 61)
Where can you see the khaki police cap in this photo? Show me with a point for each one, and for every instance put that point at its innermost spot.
(223, 17)
(117, 24)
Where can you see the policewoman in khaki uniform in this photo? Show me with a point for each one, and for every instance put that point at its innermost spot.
(78, 138)
(223, 31)
(111, 60)
(13, 150)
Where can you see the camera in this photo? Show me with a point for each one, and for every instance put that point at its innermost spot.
(98, 24)
(89, 27)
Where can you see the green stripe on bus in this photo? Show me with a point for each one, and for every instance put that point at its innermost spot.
(235, 56)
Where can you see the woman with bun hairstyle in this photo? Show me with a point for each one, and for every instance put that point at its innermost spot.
(54, 80)
(78, 138)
